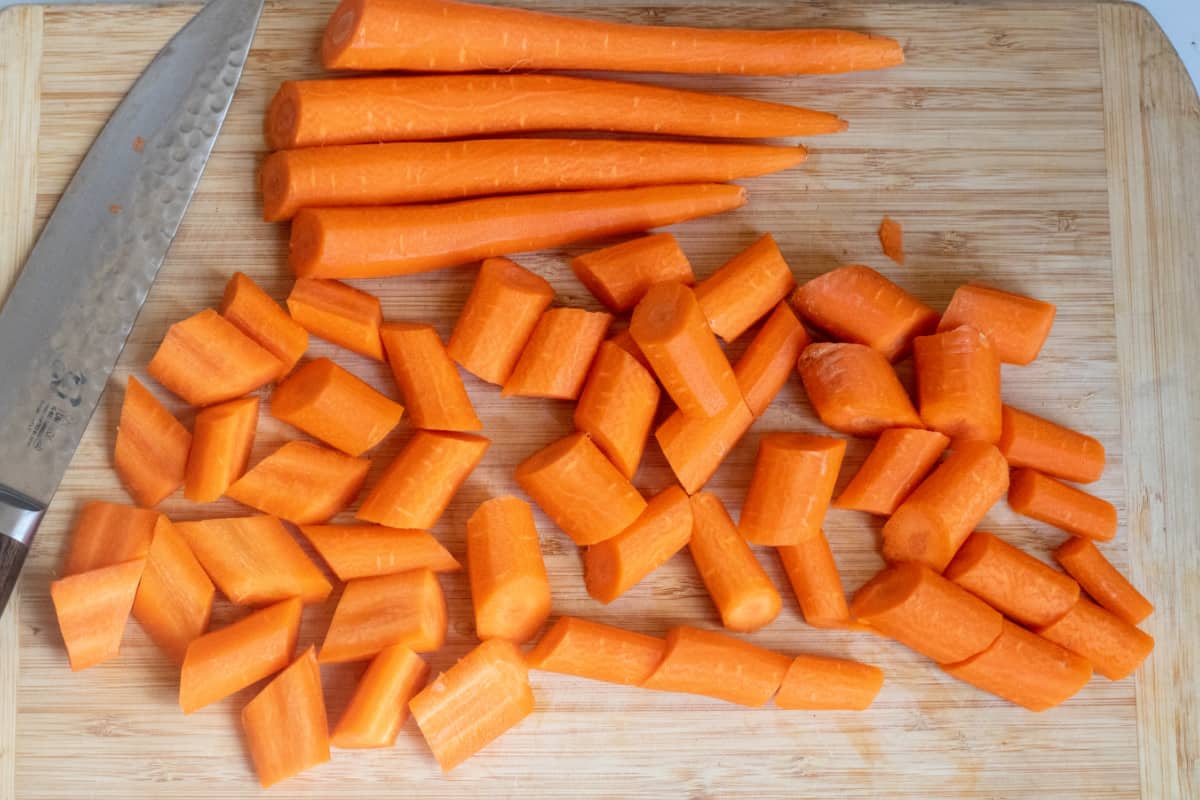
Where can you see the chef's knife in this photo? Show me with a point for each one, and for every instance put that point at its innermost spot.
(77, 296)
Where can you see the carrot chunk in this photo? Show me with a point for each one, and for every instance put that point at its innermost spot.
(255, 314)
(619, 276)
(174, 600)
(206, 359)
(1030, 441)
(745, 288)
(407, 608)
(1017, 326)
(695, 447)
(364, 551)
(329, 403)
(819, 684)
(152, 447)
(854, 389)
(716, 665)
(221, 441)
(764, 368)
(624, 340)
(338, 313)
(738, 585)
(1084, 562)
(815, 581)
(1114, 647)
(789, 493)
(617, 407)
(302, 483)
(1075, 511)
(598, 652)
(433, 390)
(958, 384)
(379, 705)
(92, 608)
(109, 533)
(285, 724)
(557, 356)
(418, 485)
(891, 239)
(510, 591)
(616, 565)
(1011, 581)
(899, 461)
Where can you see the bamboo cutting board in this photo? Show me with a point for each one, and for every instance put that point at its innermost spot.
(1052, 149)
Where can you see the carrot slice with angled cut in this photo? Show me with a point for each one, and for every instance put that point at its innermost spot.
(285, 724)
(302, 483)
(407, 608)
(221, 443)
(616, 565)
(555, 360)
(433, 390)
(174, 600)
(1055, 503)
(814, 577)
(618, 276)
(738, 585)
(1028, 440)
(854, 389)
(338, 313)
(418, 485)
(255, 314)
(819, 684)
(510, 591)
(596, 651)
(330, 403)
(1017, 326)
(107, 534)
(794, 476)
(717, 665)
(617, 407)
(1114, 647)
(695, 447)
(745, 288)
(958, 384)
(765, 366)
(206, 359)
(152, 447)
(899, 461)
(92, 608)
(1084, 562)
(364, 551)
(379, 705)
(1012, 581)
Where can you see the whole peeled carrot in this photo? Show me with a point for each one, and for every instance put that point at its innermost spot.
(448, 36)
(399, 240)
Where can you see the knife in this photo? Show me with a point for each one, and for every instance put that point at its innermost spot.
(81, 288)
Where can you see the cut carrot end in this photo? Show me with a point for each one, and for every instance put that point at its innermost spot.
(152, 447)
(598, 652)
(92, 608)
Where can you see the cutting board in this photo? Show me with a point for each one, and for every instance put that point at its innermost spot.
(1051, 149)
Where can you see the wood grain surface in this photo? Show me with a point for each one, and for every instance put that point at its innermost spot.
(1003, 146)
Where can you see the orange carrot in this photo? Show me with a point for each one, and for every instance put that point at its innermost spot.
(854, 389)
(255, 314)
(1100, 579)
(221, 441)
(152, 447)
(899, 461)
(379, 705)
(815, 581)
(92, 608)
(738, 585)
(891, 239)
(1025, 669)
(338, 313)
(617, 407)
(1011, 581)
(618, 276)
(415, 489)
(472, 703)
(254, 561)
(789, 493)
(919, 608)
(624, 340)
(814, 683)
(958, 384)
(432, 388)
(1114, 647)
(400, 240)
(206, 359)
(1055, 503)
(580, 489)
(556, 358)
(616, 565)
(596, 651)
(302, 483)
(940, 514)
(764, 368)
(407, 608)
(1017, 326)
(415, 107)
(174, 600)
(716, 665)
(669, 327)
(286, 728)
(364, 551)
(107, 534)
(228, 660)
(745, 289)
(857, 304)
(695, 447)
(509, 587)
(1027, 440)
(450, 36)
(329, 403)
(500, 314)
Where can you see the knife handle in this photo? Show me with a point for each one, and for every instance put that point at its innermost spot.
(19, 518)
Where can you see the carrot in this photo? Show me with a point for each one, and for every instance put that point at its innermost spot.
(364, 551)
(400, 240)
(500, 314)
(228, 660)
(940, 514)
(221, 441)
(285, 724)
(1011, 581)
(917, 607)
(415, 489)
(669, 327)
(1114, 647)
(152, 447)
(618, 276)
(174, 600)
(814, 683)
(430, 172)
(794, 475)
(432, 388)
(556, 358)
(330, 404)
(415, 107)
(695, 447)
(580, 489)
(92, 608)
(738, 585)
(338, 313)
(471, 704)
(379, 705)
(596, 651)
(617, 407)
(1100, 579)
(745, 288)
(407, 608)
(1025, 669)
(815, 581)
(716, 665)
(854, 389)
(510, 591)
(1017, 326)
(899, 461)
(616, 565)
(254, 561)
(1027, 440)
(449, 36)
(107, 534)
(302, 483)
(255, 314)
(624, 340)
(958, 384)
(891, 239)
(1055, 503)
(764, 367)
(206, 359)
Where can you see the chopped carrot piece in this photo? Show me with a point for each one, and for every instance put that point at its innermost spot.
(815, 581)
(1027, 440)
(364, 551)
(152, 447)
(716, 665)
(899, 461)
(509, 587)
(379, 705)
(624, 340)
(854, 389)
(1114, 647)
(745, 288)
(432, 388)
(958, 384)
(1017, 326)
(302, 483)
(286, 728)
(407, 608)
(415, 489)
(206, 359)
(92, 608)
(338, 313)
(617, 407)
(330, 404)
(174, 600)
(555, 360)
(695, 447)
(738, 585)
(794, 476)
(255, 314)
(1011, 581)
(221, 441)
(619, 276)
(814, 683)
(1099, 578)
(616, 565)
(596, 651)
(764, 368)
(1055, 503)
(109, 533)
(891, 239)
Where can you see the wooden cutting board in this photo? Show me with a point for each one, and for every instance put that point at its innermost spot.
(1052, 149)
